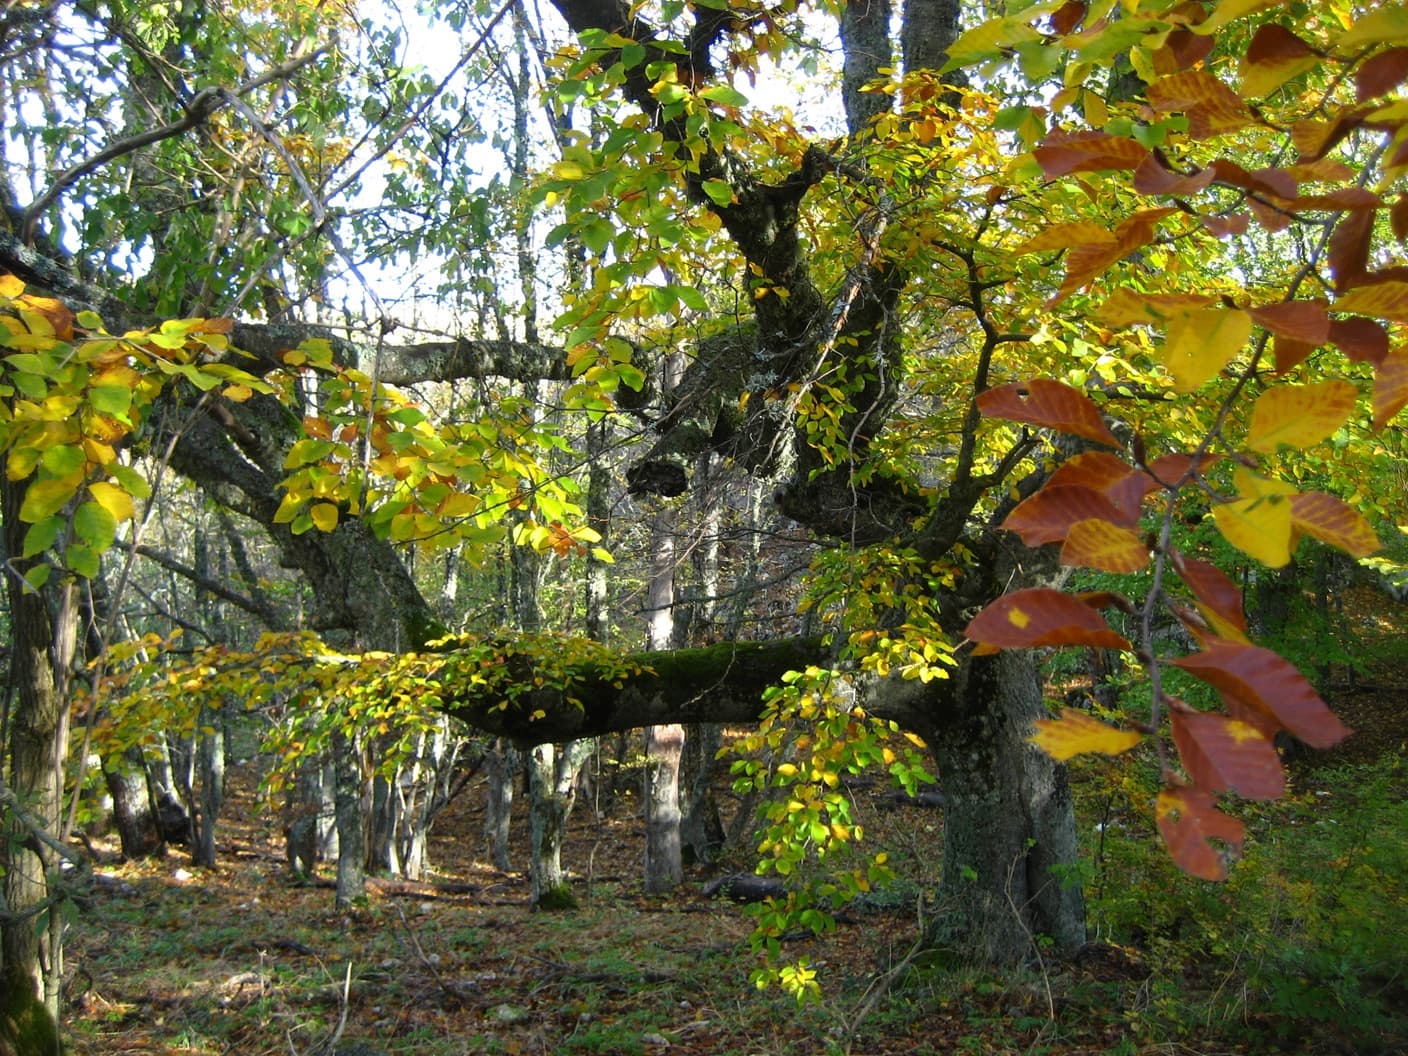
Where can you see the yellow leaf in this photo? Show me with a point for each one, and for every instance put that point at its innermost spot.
(1299, 415)
(1259, 527)
(238, 393)
(113, 499)
(1075, 733)
(10, 286)
(1201, 343)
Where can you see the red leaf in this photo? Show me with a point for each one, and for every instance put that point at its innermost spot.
(1362, 340)
(1222, 753)
(1278, 183)
(1049, 404)
(1227, 226)
(1154, 177)
(1290, 353)
(1398, 218)
(1211, 107)
(1063, 153)
(1096, 543)
(1333, 521)
(1040, 616)
(1307, 321)
(1218, 597)
(1275, 43)
(1260, 681)
(1381, 74)
(1185, 49)
(1111, 476)
(1047, 516)
(1187, 819)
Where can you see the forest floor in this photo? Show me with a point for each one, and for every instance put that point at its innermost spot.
(1302, 951)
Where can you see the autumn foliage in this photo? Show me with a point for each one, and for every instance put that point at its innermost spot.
(1248, 122)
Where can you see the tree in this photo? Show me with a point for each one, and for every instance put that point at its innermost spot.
(893, 313)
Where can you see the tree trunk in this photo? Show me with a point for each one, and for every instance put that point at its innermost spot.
(211, 762)
(310, 826)
(43, 644)
(351, 820)
(504, 764)
(1009, 830)
(552, 775)
(132, 810)
(664, 867)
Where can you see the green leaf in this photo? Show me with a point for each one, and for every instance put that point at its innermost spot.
(132, 482)
(82, 560)
(44, 498)
(37, 576)
(63, 460)
(114, 400)
(42, 535)
(95, 525)
(718, 191)
(725, 95)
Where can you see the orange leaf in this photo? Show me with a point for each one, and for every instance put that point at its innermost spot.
(1068, 16)
(1307, 321)
(1047, 516)
(1385, 300)
(1154, 177)
(1049, 404)
(1218, 598)
(1299, 415)
(1333, 521)
(1041, 616)
(1187, 820)
(1063, 153)
(1390, 386)
(1097, 543)
(1173, 470)
(1222, 753)
(1211, 107)
(1109, 475)
(1290, 353)
(1349, 247)
(1066, 236)
(1084, 263)
(1259, 685)
(1076, 733)
(1274, 56)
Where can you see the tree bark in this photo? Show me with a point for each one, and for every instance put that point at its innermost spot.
(351, 820)
(132, 810)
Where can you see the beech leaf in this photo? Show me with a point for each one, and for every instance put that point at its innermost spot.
(1218, 598)
(1047, 516)
(1039, 616)
(1222, 753)
(1390, 386)
(1300, 416)
(1260, 527)
(1097, 543)
(1049, 404)
(1333, 521)
(1201, 343)
(1187, 820)
(1076, 733)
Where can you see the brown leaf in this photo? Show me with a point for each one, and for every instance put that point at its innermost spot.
(1187, 820)
(1211, 107)
(1289, 353)
(1111, 476)
(1171, 470)
(1183, 50)
(1222, 753)
(1384, 300)
(1276, 183)
(1260, 681)
(1218, 598)
(1398, 218)
(1063, 153)
(1381, 73)
(1333, 521)
(1390, 386)
(1227, 226)
(1049, 404)
(1349, 247)
(1154, 177)
(1048, 515)
(1362, 340)
(1067, 17)
(1041, 616)
(1307, 321)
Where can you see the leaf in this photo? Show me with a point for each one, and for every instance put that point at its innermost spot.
(1390, 386)
(1064, 236)
(1097, 543)
(42, 535)
(1041, 616)
(1049, 404)
(1362, 340)
(1307, 321)
(1048, 516)
(1333, 521)
(95, 525)
(1063, 153)
(1349, 248)
(1260, 686)
(1211, 107)
(1384, 300)
(1259, 527)
(324, 515)
(725, 95)
(1076, 733)
(1226, 754)
(1299, 416)
(1274, 56)
(1084, 263)
(113, 499)
(1381, 73)
(1199, 344)
(1386, 24)
(719, 191)
(1218, 598)
(1187, 820)
(1127, 307)
(1111, 476)
(1176, 469)
(44, 498)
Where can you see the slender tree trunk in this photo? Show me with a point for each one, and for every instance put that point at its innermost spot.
(664, 745)
(351, 820)
(212, 787)
(552, 773)
(1009, 830)
(504, 764)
